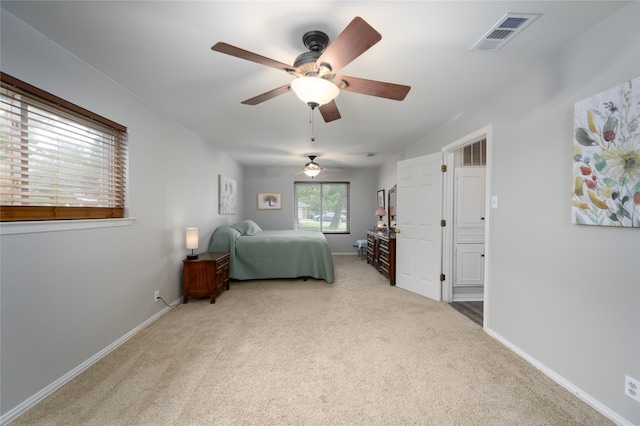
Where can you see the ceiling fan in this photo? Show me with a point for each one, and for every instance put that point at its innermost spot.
(316, 82)
(313, 169)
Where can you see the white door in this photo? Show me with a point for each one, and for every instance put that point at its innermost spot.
(419, 240)
(470, 195)
(469, 209)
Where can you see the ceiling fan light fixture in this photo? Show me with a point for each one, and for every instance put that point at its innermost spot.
(312, 173)
(312, 169)
(314, 91)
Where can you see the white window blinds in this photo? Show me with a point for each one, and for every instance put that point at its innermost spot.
(58, 161)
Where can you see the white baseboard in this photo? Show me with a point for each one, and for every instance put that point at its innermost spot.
(597, 405)
(468, 298)
(15, 412)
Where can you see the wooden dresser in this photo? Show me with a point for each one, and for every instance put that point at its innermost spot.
(381, 253)
(205, 276)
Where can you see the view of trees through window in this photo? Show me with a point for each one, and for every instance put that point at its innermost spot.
(322, 206)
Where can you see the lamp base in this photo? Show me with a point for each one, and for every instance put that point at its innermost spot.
(192, 256)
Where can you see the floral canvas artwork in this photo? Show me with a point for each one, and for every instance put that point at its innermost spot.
(606, 158)
(227, 195)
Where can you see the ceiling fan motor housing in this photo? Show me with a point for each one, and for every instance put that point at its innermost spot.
(305, 63)
(315, 41)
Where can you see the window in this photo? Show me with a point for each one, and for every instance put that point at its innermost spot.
(57, 160)
(475, 154)
(321, 206)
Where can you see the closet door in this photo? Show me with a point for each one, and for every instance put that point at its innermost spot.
(469, 260)
(469, 208)
(469, 236)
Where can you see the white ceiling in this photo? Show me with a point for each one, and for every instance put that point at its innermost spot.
(161, 51)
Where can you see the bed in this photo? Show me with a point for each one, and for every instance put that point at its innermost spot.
(257, 254)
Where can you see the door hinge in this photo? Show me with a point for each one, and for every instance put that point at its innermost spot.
(443, 168)
(443, 223)
(442, 277)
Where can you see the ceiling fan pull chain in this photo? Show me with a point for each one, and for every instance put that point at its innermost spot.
(313, 137)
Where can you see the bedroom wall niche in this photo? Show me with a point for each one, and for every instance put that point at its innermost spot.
(363, 183)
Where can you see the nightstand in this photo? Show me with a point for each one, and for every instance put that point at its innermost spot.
(205, 276)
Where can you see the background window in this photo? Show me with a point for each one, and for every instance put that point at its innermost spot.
(322, 206)
(57, 160)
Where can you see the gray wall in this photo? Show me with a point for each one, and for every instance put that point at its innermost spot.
(67, 295)
(567, 297)
(363, 189)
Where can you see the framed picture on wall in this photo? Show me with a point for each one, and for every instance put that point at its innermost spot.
(227, 195)
(606, 158)
(269, 201)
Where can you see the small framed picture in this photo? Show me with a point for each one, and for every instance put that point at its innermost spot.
(269, 201)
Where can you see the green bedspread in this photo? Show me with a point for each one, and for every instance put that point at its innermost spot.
(275, 254)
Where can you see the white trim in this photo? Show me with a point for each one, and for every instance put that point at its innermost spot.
(15, 412)
(467, 298)
(12, 228)
(447, 238)
(597, 405)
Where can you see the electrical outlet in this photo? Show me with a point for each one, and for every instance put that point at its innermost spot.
(156, 296)
(632, 388)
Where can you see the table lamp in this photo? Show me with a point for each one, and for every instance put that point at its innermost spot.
(380, 212)
(192, 242)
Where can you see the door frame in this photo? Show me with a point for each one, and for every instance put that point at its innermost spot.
(448, 153)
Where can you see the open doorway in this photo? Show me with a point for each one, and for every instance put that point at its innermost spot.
(466, 196)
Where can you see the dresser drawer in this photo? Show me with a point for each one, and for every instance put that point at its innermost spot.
(381, 253)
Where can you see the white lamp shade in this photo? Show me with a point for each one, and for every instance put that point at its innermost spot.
(192, 238)
(314, 90)
(380, 211)
(312, 172)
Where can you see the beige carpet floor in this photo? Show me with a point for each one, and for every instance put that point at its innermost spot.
(290, 352)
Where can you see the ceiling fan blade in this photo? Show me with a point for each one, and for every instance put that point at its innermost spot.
(250, 56)
(380, 89)
(268, 95)
(352, 42)
(329, 111)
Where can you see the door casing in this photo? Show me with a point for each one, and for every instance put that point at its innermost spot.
(448, 152)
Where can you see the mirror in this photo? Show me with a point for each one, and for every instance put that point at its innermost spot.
(392, 208)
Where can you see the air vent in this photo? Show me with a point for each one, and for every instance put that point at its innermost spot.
(506, 28)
